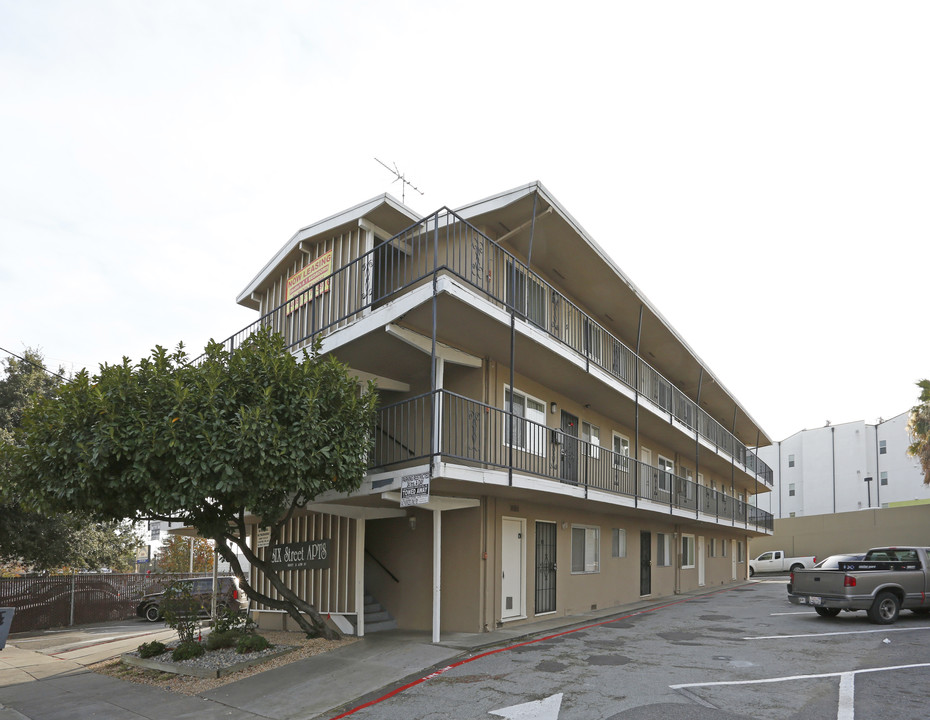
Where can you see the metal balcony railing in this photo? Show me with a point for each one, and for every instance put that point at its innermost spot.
(476, 434)
(447, 244)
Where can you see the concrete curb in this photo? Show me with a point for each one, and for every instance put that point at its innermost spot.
(175, 668)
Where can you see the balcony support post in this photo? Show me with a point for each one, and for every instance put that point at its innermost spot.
(697, 449)
(638, 363)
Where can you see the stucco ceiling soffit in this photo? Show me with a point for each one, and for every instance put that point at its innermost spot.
(358, 512)
(383, 383)
(438, 502)
(524, 226)
(425, 344)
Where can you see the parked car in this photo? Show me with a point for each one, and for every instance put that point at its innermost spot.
(885, 581)
(778, 561)
(228, 595)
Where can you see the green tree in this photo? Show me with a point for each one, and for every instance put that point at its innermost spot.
(254, 431)
(919, 427)
(29, 537)
(174, 556)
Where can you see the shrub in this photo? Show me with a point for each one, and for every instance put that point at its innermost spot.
(252, 643)
(228, 618)
(223, 639)
(187, 650)
(151, 649)
(180, 610)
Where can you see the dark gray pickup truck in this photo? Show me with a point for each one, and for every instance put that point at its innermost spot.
(886, 581)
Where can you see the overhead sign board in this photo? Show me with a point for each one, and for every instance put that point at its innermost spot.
(307, 555)
(264, 537)
(414, 489)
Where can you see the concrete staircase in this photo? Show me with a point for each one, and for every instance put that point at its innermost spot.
(376, 617)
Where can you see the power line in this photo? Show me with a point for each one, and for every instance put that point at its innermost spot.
(34, 364)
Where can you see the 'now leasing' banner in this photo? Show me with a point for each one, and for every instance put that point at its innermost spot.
(307, 277)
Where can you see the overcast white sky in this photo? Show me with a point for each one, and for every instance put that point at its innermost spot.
(760, 170)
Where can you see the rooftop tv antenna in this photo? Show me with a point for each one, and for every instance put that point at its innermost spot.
(403, 180)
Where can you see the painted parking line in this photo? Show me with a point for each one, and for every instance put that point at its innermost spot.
(828, 634)
(847, 689)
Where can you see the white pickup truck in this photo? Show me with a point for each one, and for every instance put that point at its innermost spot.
(777, 561)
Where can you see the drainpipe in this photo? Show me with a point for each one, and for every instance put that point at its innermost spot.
(878, 474)
(833, 446)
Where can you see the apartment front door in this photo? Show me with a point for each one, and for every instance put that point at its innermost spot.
(545, 567)
(645, 563)
(569, 465)
(513, 531)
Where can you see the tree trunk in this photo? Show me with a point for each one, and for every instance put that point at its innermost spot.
(304, 614)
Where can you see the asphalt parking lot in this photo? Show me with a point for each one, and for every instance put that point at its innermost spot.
(742, 652)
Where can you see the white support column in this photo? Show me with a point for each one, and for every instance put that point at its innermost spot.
(437, 571)
(360, 576)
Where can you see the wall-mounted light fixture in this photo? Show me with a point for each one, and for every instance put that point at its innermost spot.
(552, 407)
(413, 522)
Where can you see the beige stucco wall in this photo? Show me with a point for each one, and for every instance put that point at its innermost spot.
(824, 535)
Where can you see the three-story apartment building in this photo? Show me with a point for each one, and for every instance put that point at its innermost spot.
(546, 442)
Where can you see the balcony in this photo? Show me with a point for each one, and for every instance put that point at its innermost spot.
(473, 434)
(444, 243)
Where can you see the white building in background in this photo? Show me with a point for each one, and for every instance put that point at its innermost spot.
(841, 468)
(155, 534)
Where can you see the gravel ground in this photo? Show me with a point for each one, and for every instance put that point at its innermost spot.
(187, 685)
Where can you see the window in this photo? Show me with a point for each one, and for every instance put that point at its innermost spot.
(526, 294)
(618, 546)
(791, 461)
(791, 490)
(712, 548)
(621, 451)
(591, 434)
(884, 477)
(739, 551)
(529, 426)
(723, 547)
(687, 551)
(663, 549)
(585, 549)
(882, 447)
(666, 471)
(790, 514)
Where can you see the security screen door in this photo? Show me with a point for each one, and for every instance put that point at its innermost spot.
(645, 563)
(545, 567)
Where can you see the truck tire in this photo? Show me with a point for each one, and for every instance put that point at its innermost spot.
(826, 612)
(796, 566)
(885, 609)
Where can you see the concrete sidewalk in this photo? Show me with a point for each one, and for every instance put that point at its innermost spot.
(40, 680)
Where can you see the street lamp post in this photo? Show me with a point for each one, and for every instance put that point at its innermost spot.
(868, 484)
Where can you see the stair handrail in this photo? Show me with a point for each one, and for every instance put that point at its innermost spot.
(381, 565)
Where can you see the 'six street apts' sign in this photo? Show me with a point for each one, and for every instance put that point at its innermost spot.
(307, 555)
